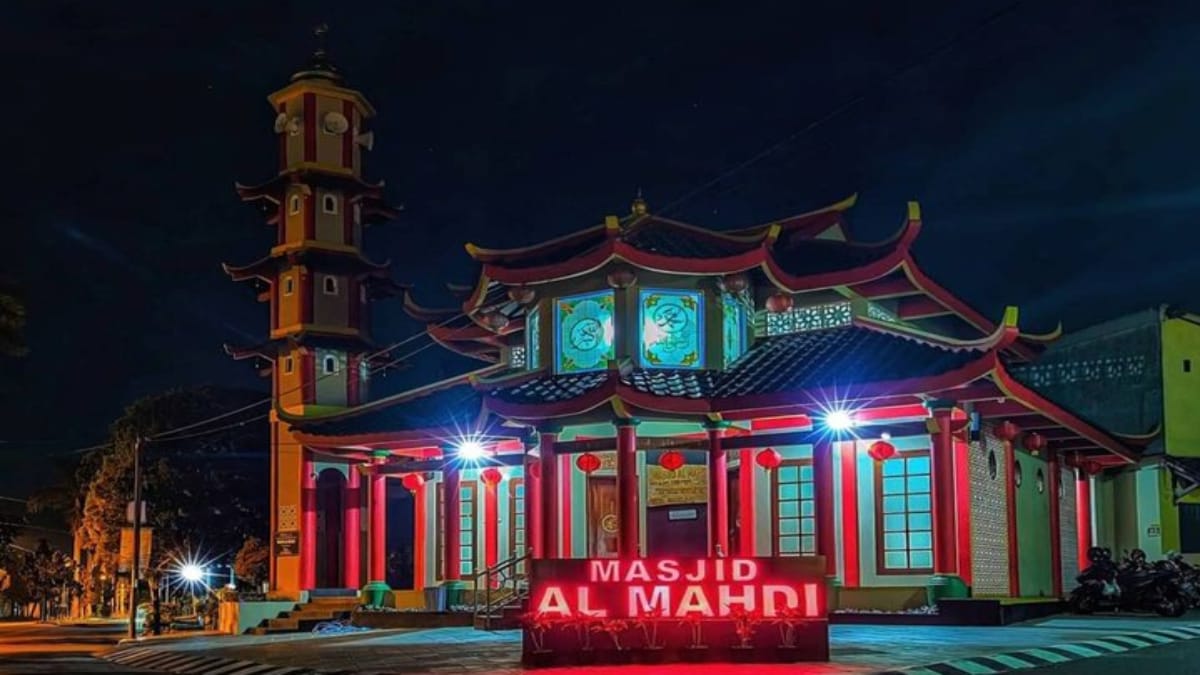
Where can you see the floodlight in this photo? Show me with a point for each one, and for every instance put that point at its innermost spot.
(839, 420)
(470, 450)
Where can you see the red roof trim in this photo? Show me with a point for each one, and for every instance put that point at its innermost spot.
(1031, 399)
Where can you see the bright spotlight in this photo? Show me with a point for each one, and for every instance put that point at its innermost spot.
(839, 420)
(470, 451)
(191, 572)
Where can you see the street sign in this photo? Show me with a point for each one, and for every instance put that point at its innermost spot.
(129, 513)
(126, 555)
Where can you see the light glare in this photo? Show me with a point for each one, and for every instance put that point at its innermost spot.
(191, 572)
(839, 420)
(470, 451)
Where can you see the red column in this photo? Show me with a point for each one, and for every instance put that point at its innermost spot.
(419, 537)
(548, 488)
(351, 528)
(718, 492)
(628, 543)
(491, 523)
(1083, 515)
(1054, 483)
(851, 577)
(533, 506)
(822, 465)
(941, 456)
(962, 501)
(452, 521)
(308, 522)
(746, 503)
(378, 529)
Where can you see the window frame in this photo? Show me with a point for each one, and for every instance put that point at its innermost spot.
(800, 464)
(560, 357)
(880, 568)
(327, 199)
(330, 281)
(326, 360)
(517, 506)
(440, 543)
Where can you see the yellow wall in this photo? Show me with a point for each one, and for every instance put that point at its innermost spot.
(285, 504)
(1181, 424)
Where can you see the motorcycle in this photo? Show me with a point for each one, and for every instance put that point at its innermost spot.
(1189, 578)
(1133, 585)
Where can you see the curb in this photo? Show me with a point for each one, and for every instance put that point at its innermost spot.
(172, 661)
(1039, 657)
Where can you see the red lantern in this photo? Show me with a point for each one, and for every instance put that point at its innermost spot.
(522, 295)
(622, 277)
(534, 468)
(735, 283)
(1007, 431)
(412, 481)
(587, 462)
(1035, 442)
(881, 450)
(768, 458)
(491, 476)
(779, 302)
(671, 460)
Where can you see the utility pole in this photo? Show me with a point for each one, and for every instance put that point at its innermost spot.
(135, 572)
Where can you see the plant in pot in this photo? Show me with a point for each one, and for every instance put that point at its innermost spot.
(652, 649)
(614, 628)
(536, 624)
(582, 623)
(744, 625)
(788, 621)
(696, 650)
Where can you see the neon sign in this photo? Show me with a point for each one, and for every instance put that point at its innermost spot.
(708, 588)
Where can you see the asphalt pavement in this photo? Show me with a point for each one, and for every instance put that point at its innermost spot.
(29, 648)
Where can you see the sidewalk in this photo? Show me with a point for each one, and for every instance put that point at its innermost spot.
(854, 648)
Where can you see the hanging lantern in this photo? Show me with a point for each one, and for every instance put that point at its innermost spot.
(495, 320)
(412, 481)
(522, 295)
(587, 462)
(735, 283)
(534, 468)
(622, 277)
(1007, 431)
(779, 302)
(768, 458)
(491, 476)
(671, 460)
(881, 450)
(1034, 442)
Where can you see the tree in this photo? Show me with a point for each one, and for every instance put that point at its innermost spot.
(205, 494)
(12, 320)
(46, 577)
(252, 562)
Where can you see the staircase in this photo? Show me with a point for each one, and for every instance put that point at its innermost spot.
(502, 594)
(322, 605)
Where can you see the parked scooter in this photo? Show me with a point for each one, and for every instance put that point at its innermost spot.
(1134, 585)
(1189, 578)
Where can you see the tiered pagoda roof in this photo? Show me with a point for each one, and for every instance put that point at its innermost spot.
(801, 253)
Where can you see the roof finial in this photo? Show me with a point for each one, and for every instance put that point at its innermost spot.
(639, 207)
(319, 66)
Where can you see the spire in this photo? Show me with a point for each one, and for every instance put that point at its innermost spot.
(639, 207)
(319, 65)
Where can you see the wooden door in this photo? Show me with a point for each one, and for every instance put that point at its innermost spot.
(602, 521)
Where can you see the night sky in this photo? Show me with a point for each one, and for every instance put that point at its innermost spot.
(1052, 145)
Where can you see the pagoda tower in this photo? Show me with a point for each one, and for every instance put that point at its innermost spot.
(319, 287)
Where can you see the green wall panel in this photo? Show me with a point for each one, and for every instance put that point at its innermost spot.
(1033, 528)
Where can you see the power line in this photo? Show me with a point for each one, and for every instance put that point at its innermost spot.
(850, 103)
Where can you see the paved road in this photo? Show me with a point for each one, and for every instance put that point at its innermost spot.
(28, 647)
(1177, 657)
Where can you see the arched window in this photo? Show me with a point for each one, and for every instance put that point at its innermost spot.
(330, 365)
(329, 204)
(294, 205)
(331, 286)
(289, 285)
(289, 365)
